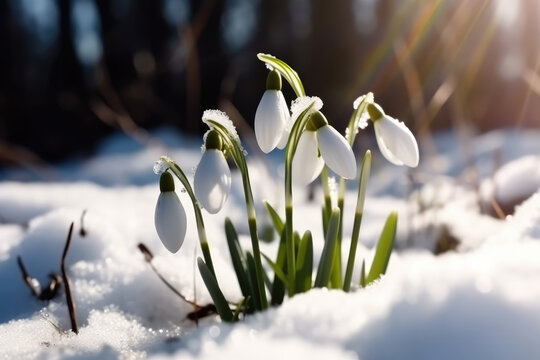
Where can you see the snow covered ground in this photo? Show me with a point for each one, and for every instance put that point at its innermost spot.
(480, 301)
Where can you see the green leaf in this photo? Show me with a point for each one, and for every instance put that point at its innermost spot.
(236, 314)
(278, 288)
(327, 257)
(286, 71)
(363, 274)
(277, 270)
(276, 219)
(384, 249)
(304, 264)
(237, 257)
(252, 278)
(361, 197)
(215, 292)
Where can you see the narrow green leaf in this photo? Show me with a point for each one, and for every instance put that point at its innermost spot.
(278, 288)
(362, 186)
(252, 278)
(277, 270)
(236, 314)
(325, 219)
(276, 219)
(363, 274)
(384, 249)
(215, 292)
(304, 264)
(237, 257)
(327, 257)
(286, 71)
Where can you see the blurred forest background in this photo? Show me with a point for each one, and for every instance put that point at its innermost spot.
(73, 71)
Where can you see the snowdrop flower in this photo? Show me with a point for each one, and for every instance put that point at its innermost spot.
(395, 140)
(335, 150)
(272, 114)
(307, 163)
(169, 217)
(212, 178)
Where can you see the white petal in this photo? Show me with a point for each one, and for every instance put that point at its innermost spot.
(270, 119)
(336, 152)
(307, 165)
(396, 141)
(170, 221)
(284, 139)
(212, 180)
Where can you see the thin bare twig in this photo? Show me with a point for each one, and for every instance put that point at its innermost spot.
(49, 292)
(69, 298)
(32, 283)
(148, 257)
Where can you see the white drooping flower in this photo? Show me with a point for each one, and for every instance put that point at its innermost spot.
(212, 180)
(298, 106)
(170, 216)
(335, 150)
(395, 140)
(307, 163)
(272, 114)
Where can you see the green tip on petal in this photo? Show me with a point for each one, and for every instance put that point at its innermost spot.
(273, 81)
(166, 182)
(213, 140)
(316, 121)
(375, 111)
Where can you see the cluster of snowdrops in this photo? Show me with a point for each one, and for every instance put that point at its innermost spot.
(312, 146)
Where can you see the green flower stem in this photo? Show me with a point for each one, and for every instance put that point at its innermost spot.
(198, 215)
(238, 155)
(362, 186)
(327, 207)
(352, 130)
(292, 144)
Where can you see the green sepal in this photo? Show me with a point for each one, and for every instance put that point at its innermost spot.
(273, 81)
(286, 71)
(384, 249)
(166, 182)
(375, 111)
(213, 140)
(211, 283)
(316, 121)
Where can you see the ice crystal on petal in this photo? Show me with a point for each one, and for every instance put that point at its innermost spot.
(221, 118)
(363, 121)
(299, 105)
(161, 166)
(361, 98)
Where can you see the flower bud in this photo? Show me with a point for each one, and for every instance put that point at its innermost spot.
(170, 216)
(396, 142)
(272, 114)
(212, 181)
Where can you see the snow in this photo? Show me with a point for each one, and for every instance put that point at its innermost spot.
(480, 301)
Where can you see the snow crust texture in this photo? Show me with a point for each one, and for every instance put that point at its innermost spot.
(480, 301)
